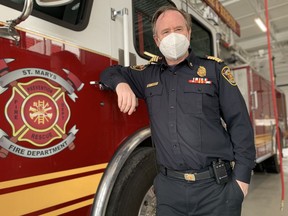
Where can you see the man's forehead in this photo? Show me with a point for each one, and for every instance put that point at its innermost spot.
(170, 17)
(168, 13)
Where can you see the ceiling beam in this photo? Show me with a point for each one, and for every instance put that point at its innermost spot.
(225, 3)
(255, 43)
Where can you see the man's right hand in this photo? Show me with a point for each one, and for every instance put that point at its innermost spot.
(127, 100)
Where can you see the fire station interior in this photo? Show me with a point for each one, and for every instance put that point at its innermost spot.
(267, 193)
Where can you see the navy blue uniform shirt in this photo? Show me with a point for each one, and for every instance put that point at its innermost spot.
(186, 103)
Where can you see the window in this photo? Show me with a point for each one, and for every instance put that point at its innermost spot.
(201, 39)
(143, 10)
(74, 16)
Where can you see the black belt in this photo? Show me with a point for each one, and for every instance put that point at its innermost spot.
(188, 176)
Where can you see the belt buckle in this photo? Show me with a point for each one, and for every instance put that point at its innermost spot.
(189, 177)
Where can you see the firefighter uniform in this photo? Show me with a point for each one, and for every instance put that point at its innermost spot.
(197, 116)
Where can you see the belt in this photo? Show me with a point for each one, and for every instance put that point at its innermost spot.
(192, 176)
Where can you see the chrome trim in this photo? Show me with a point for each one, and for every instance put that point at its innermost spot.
(9, 31)
(27, 10)
(110, 175)
(264, 157)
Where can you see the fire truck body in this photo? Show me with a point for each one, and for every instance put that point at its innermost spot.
(257, 93)
(64, 144)
(59, 131)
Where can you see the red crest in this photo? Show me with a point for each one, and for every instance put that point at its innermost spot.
(37, 112)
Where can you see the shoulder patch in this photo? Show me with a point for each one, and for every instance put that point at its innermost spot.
(226, 73)
(215, 59)
(138, 67)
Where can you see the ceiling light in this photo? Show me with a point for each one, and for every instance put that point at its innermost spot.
(261, 24)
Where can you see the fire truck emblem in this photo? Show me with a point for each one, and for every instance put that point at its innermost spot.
(37, 112)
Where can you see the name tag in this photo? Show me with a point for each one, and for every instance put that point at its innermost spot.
(152, 84)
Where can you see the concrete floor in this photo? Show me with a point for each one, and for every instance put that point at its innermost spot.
(264, 197)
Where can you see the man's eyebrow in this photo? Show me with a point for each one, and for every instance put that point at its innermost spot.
(180, 26)
(176, 27)
(165, 29)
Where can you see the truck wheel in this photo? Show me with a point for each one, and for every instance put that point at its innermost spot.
(133, 191)
(271, 165)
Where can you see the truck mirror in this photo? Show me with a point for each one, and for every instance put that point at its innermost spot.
(53, 3)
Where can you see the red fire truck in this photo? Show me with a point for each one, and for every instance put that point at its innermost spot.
(257, 93)
(65, 148)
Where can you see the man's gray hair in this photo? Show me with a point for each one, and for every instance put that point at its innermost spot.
(163, 9)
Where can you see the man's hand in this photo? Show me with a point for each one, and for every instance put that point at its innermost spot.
(244, 187)
(127, 100)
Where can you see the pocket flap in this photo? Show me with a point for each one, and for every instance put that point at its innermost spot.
(199, 89)
(155, 90)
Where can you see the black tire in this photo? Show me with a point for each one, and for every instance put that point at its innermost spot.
(271, 165)
(259, 168)
(132, 184)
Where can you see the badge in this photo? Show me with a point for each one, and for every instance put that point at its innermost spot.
(201, 71)
(152, 84)
(226, 73)
(214, 58)
(138, 67)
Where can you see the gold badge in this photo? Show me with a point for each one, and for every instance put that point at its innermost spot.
(226, 73)
(214, 58)
(152, 84)
(138, 67)
(201, 71)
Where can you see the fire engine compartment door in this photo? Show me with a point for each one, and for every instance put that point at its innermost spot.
(241, 78)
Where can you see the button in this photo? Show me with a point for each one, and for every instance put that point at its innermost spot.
(172, 89)
(171, 107)
(174, 146)
(199, 89)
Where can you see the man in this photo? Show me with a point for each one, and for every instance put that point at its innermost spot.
(188, 99)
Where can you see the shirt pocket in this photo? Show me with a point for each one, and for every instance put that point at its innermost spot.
(194, 96)
(153, 99)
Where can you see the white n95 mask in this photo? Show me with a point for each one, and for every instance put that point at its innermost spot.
(174, 46)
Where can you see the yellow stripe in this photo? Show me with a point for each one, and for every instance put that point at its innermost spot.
(38, 198)
(69, 208)
(34, 179)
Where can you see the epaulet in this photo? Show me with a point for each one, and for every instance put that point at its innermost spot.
(154, 58)
(214, 59)
(139, 67)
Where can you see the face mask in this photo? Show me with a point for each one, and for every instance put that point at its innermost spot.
(174, 46)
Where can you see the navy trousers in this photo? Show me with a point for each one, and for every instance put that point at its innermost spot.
(200, 198)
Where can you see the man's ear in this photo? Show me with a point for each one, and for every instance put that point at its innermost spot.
(156, 39)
